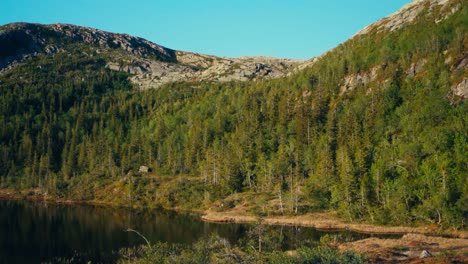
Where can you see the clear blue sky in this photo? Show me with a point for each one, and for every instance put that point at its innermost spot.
(288, 28)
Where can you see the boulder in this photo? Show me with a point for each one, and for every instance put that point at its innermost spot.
(416, 68)
(425, 254)
(461, 89)
(144, 169)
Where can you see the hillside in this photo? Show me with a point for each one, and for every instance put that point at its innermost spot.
(150, 65)
(374, 129)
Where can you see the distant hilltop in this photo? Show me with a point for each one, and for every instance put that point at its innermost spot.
(152, 65)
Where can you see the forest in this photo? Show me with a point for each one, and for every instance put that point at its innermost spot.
(390, 151)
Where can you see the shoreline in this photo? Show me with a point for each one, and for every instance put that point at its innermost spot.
(327, 222)
(406, 248)
(324, 221)
(10, 195)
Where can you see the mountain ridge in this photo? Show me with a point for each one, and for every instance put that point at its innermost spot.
(152, 65)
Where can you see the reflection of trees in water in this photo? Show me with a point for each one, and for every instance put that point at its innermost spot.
(293, 237)
(51, 230)
(54, 229)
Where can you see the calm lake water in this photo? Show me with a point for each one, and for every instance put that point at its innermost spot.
(34, 232)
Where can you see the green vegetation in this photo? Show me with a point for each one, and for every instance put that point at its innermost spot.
(215, 252)
(254, 250)
(391, 151)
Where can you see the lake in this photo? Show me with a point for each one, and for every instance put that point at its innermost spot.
(34, 232)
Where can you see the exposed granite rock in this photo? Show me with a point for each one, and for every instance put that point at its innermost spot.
(148, 73)
(150, 65)
(425, 254)
(353, 81)
(448, 11)
(461, 89)
(22, 40)
(416, 68)
(462, 64)
(135, 45)
(406, 15)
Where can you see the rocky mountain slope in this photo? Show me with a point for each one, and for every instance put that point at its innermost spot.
(408, 13)
(150, 65)
(434, 12)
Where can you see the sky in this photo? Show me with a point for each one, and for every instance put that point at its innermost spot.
(299, 29)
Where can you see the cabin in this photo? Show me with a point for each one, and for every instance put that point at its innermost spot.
(144, 169)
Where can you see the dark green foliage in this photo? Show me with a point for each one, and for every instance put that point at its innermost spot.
(327, 255)
(391, 151)
(217, 250)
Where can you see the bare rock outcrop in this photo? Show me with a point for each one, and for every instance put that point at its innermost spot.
(461, 89)
(135, 45)
(353, 81)
(406, 15)
(23, 40)
(191, 67)
(416, 68)
(149, 64)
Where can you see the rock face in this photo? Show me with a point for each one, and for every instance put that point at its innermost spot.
(353, 81)
(461, 89)
(405, 15)
(416, 68)
(22, 40)
(425, 254)
(243, 68)
(435, 10)
(150, 65)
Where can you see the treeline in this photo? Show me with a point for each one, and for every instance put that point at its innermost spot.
(393, 150)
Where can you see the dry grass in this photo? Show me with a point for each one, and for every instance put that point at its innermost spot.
(409, 247)
(406, 249)
(323, 221)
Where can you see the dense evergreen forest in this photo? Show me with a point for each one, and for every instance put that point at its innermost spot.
(392, 150)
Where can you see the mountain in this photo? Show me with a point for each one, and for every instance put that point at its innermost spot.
(374, 129)
(432, 12)
(150, 65)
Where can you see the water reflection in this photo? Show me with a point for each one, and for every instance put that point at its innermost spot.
(35, 232)
(32, 232)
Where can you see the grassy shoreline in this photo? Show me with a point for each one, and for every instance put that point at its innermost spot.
(326, 221)
(414, 239)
